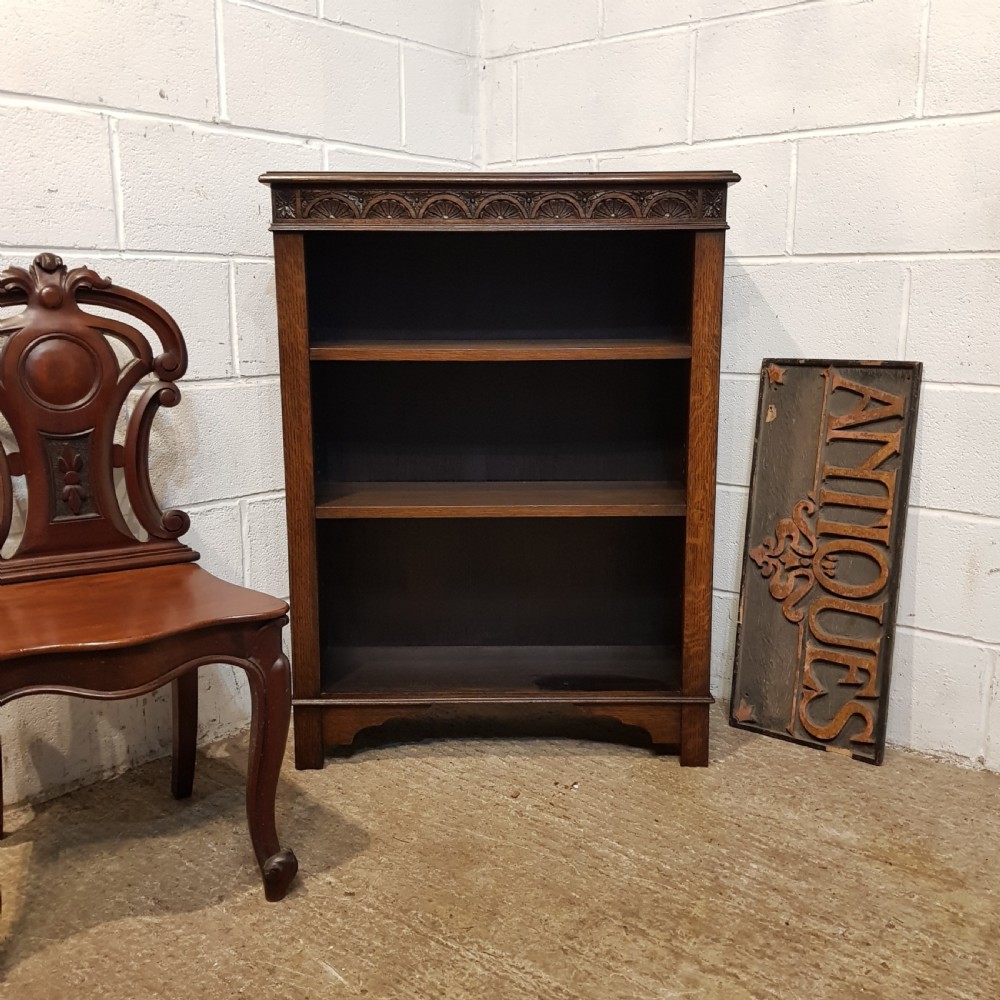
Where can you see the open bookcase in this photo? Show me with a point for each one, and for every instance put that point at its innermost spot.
(499, 400)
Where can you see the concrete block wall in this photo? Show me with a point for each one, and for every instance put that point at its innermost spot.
(134, 135)
(867, 225)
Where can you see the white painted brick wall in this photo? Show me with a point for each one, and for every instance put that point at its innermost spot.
(578, 99)
(137, 150)
(443, 24)
(811, 66)
(520, 25)
(900, 190)
(867, 224)
(301, 75)
(441, 96)
(157, 57)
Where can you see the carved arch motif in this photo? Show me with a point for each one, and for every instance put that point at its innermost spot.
(501, 206)
(615, 206)
(389, 206)
(445, 206)
(671, 206)
(557, 206)
(62, 390)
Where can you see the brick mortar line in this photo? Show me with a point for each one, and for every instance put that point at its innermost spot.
(201, 506)
(234, 333)
(133, 253)
(965, 640)
(921, 91)
(344, 26)
(220, 61)
(401, 65)
(692, 84)
(117, 192)
(764, 138)
(793, 195)
(222, 383)
(602, 38)
(944, 511)
(904, 312)
(109, 253)
(60, 105)
(987, 707)
(900, 256)
(245, 568)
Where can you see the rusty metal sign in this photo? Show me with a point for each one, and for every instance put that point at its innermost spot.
(825, 529)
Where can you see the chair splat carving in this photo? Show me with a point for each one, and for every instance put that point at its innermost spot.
(62, 390)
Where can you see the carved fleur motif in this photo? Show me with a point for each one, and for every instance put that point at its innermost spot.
(70, 466)
(744, 712)
(713, 203)
(786, 558)
(284, 204)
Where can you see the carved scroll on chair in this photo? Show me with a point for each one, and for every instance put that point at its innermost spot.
(146, 615)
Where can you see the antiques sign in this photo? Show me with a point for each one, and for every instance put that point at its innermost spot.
(824, 543)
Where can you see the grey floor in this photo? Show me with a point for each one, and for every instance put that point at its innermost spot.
(518, 868)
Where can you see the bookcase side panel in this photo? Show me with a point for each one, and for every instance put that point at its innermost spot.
(706, 326)
(293, 344)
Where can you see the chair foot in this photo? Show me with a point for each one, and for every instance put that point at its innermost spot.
(278, 872)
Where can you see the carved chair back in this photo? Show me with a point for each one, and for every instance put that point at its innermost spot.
(62, 392)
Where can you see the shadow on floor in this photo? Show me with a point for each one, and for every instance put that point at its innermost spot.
(126, 848)
(428, 736)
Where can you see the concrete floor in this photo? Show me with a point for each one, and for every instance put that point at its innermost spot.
(528, 868)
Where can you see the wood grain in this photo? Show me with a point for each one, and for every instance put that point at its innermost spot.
(500, 350)
(500, 499)
(706, 322)
(296, 408)
(500, 673)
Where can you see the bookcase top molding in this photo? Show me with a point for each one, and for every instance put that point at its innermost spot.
(309, 201)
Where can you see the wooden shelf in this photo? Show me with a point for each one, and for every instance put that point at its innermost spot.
(500, 499)
(485, 674)
(500, 350)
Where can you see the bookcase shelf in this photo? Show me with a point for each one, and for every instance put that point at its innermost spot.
(474, 537)
(480, 674)
(500, 499)
(633, 349)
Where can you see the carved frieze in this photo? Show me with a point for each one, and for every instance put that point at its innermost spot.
(343, 204)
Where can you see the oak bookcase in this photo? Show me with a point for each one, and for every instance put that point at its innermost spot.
(500, 398)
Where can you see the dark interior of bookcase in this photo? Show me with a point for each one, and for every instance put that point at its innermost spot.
(520, 601)
(501, 603)
(472, 421)
(454, 286)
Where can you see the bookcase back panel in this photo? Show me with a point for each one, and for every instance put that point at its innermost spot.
(590, 284)
(469, 421)
(504, 582)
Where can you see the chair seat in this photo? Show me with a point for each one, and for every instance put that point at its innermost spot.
(125, 608)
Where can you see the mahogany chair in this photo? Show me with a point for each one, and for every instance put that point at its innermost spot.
(87, 607)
